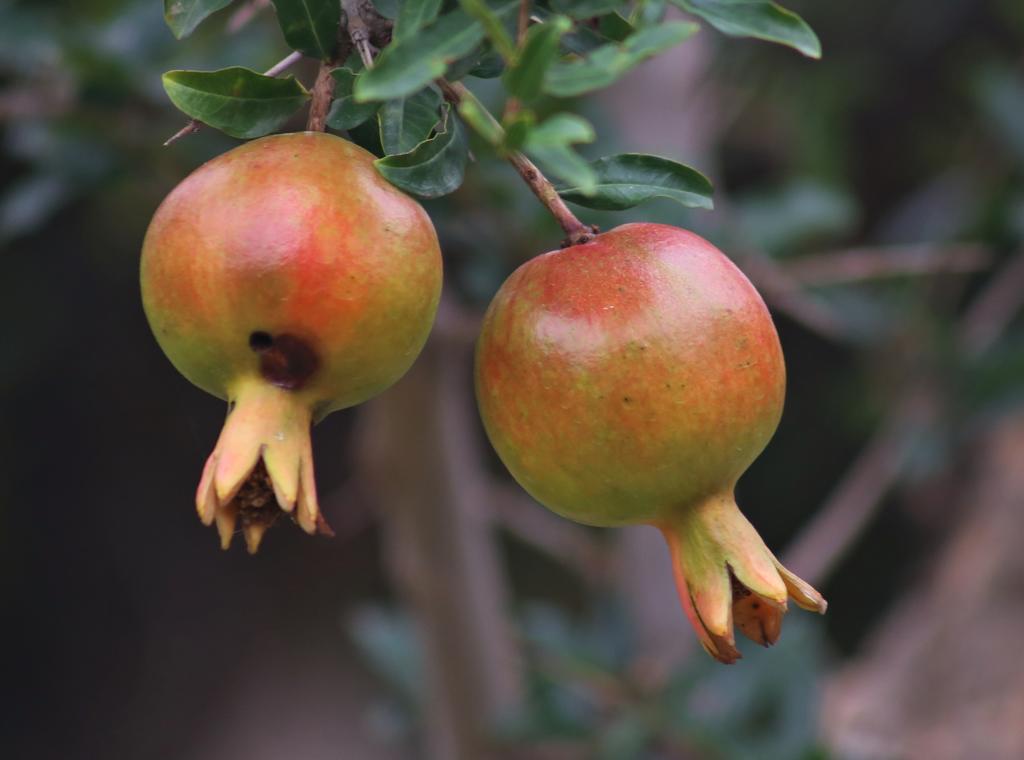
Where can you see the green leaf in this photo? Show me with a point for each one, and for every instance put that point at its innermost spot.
(310, 26)
(406, 122)
(481, 122)
(625, 180)
(549, 143)
(183, 16)
(367, 136)
(409, 65)
(585, 9)
(345, 113)
(525, 76)
(517, 128)
(413, 16)
(433, 168)
(236, 101)
(648, 12)
(493, 26)
(607, 63)
(756, 18)
(561, 129)
(387, 8)
(615, 27)
(489, 66)
(483, 63)
(583, 40)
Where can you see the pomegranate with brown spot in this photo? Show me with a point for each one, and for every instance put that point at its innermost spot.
(290, 279)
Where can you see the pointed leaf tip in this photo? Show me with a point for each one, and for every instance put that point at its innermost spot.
(183, 16)
(759, 19)
(628, 179)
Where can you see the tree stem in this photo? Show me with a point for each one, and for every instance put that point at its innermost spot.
(323, 92)
(576, 231)
(523, 22)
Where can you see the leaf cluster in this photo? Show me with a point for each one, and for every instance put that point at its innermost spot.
(568, 49)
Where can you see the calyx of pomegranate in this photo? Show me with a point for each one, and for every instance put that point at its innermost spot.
(726, 577)
(262, 466)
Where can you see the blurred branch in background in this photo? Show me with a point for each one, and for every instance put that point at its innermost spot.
(784, 292)
(420, 457)
(859, 264)
(822, 545)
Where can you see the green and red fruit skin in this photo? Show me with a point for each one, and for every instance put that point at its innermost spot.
(290, 279)
(631, 380)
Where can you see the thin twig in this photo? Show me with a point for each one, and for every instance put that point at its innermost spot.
(524, 22)
(576, 231)
(194, 125)
(284, 64)
(512, 104)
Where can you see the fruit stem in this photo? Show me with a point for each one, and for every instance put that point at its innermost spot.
(576, 231)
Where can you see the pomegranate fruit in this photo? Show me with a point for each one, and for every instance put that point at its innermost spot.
(633, 379)
(290, 279)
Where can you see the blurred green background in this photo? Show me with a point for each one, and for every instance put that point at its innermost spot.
(877, 200)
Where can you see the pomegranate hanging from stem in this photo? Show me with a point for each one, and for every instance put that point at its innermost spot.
(633, 379)
(290, 279)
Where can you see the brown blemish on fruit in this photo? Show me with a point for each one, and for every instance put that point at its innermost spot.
(285, 360)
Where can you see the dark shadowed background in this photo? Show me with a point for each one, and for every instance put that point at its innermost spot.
(877, 200)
